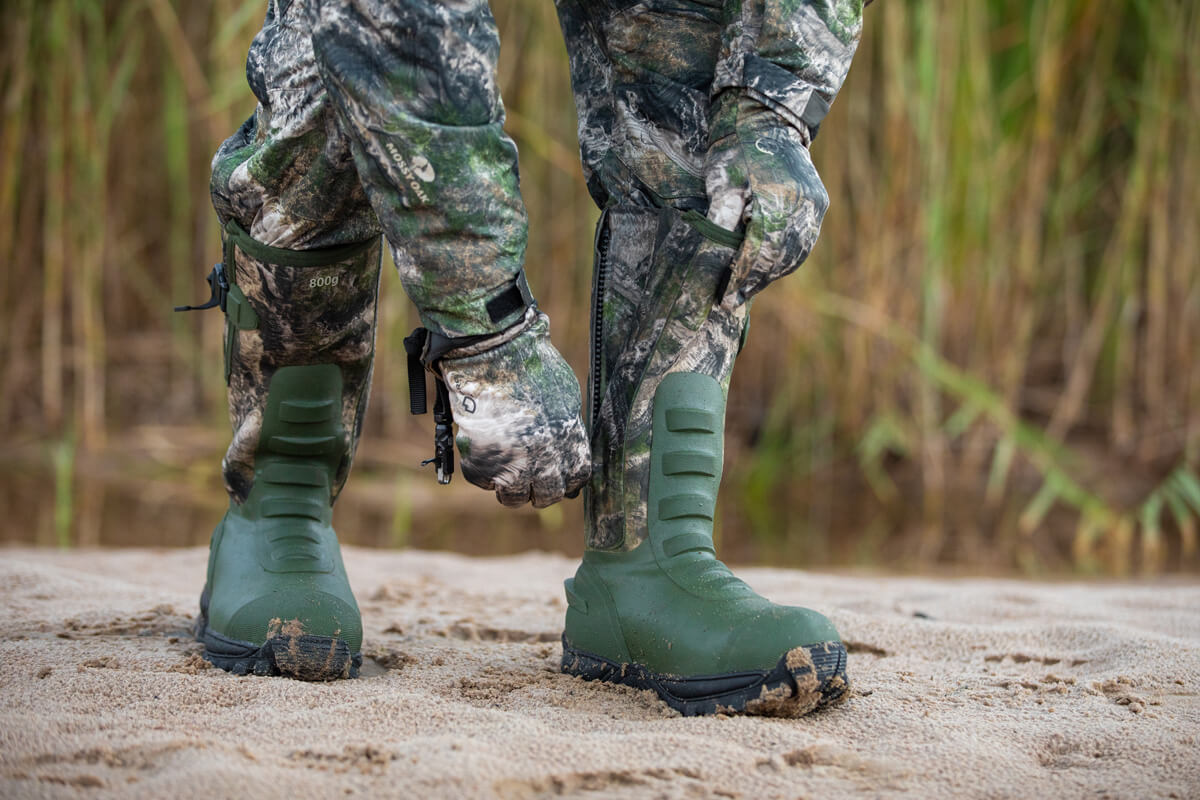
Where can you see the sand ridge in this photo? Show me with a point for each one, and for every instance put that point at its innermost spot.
(963, 688)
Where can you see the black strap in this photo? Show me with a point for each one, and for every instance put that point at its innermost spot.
(414, 345)
(515, 298)
(814, 112)
(424, 348)
(443, 435)
(436, 345)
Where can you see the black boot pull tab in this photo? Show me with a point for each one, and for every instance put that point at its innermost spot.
(219, 284)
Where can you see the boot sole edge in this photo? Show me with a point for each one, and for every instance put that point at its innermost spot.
(306, 657)
(804, 679)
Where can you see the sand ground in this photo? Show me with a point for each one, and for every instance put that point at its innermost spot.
(964, 688)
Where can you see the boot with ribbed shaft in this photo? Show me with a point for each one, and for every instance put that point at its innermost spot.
(651, 606)
(277, 599)
(299, 345)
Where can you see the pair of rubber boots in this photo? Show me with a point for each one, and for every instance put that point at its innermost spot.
(652, 608)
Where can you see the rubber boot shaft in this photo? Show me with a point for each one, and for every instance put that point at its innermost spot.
(277, 596)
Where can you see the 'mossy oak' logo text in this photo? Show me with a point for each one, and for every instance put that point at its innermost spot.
(415, 172)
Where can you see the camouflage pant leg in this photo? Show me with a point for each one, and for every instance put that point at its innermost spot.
(287, 176)
(373, 114)
(641, 74)
(384, 115)
(284, 185)
(295, 308)
(414, 82)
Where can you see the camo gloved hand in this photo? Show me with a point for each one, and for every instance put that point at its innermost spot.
(517, 406)
(758, 173)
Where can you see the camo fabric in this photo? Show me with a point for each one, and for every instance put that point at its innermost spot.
(681, 101)
(304, 315)
(660, 278)
(784, 52)
(783, 62)
(517, 408)
(762, 180)
(384, 115)
(641, 74)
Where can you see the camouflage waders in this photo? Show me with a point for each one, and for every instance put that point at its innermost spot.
(694, 125)
(374, 116)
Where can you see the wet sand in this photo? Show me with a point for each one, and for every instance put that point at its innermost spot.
(963, 688)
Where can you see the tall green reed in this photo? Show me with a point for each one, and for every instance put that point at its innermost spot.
(1009, 184)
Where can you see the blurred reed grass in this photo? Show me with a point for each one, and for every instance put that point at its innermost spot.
(993, 356)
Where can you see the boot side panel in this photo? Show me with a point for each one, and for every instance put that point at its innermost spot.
(275, 560)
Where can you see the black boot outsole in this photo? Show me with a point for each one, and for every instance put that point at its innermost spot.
(304, 657)
(805, 679)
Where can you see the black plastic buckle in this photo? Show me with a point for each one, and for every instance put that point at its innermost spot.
(219, 285)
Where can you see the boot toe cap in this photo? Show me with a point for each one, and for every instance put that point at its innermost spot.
(761, 641)
(311, 614)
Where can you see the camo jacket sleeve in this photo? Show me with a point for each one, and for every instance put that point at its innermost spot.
(415, 86)
(790, 55)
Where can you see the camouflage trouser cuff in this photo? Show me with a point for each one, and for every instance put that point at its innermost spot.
(284, 257)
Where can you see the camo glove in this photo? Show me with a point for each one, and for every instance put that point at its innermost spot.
(517, 405)
(758, 173)
(780, 66)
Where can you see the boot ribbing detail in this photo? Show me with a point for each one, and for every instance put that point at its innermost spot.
(277, 599)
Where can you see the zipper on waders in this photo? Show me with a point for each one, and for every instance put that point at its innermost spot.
(603, 237)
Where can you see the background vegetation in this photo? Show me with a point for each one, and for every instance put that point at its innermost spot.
(992, 358)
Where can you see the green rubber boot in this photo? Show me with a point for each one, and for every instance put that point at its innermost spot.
(277, 600)
(651, 606)
(299, 347)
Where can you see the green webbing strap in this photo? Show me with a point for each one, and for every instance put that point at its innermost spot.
(320, 257)
(711, 230)
(223, 278)
(235, 305)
